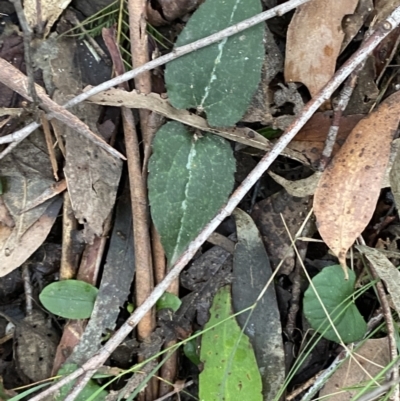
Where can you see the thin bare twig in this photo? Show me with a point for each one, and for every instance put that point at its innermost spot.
(144, 282)
(344, 98)
(177, 52)
(27, 31)
(90, 367)
(143, 258)
(389, 325)
(17, 81)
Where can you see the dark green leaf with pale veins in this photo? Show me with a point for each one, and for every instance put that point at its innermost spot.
(221, 78)
(190, 178)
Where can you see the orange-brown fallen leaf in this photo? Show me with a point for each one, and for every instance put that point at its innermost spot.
(311, 138)
(348, 190)
(314, 40)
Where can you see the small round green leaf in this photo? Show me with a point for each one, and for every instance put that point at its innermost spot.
(335, 293)
(70, 299)
(170, 301)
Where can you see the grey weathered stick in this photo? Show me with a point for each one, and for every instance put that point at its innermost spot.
(178, 52)
(90, 367)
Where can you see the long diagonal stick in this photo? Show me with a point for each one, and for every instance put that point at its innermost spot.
(90, 367)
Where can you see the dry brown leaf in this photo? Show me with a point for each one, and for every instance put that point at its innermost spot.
(153, 101)
(314, 40)
(372, 356)
(26, 173)
(394, 178)
(92, 176)
(35, 346)
(42, 17)
(386, 271)
(310, 140)
(27, 243)
(347, 193)
(49, 193)
(299, 188)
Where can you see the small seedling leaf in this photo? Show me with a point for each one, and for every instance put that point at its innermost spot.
(335, 293)
(190, 178)
(230, 367)
(221, 78)
(170, 301)
(190, 349)
(70, 299)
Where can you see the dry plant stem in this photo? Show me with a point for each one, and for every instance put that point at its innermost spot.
(140, 56)
(170, 368)
(389, 326)
(144, 274)
(177, 52)
(304, 386)
(11, 147)
(323, 378)
(26, 29)
(27, 288)
(144, 281)
(159, 262)
(296, 288)
(90, 367)
(17, 81)
(50, 147)
(69, 254)
(345, 95)
(175, 391)
(374, 394)
(5, 111)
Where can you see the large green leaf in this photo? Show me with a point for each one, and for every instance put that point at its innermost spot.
(190, 178)
(335, 293)
(230, 369)
(222, 78)
(71, 299)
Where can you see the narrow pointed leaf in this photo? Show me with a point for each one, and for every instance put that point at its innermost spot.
(334, 292)
(349, 188)
(190, 179)
(222, 78)
(263, 324)
(230, 368)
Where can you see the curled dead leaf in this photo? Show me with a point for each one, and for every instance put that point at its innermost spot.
(349, 188)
